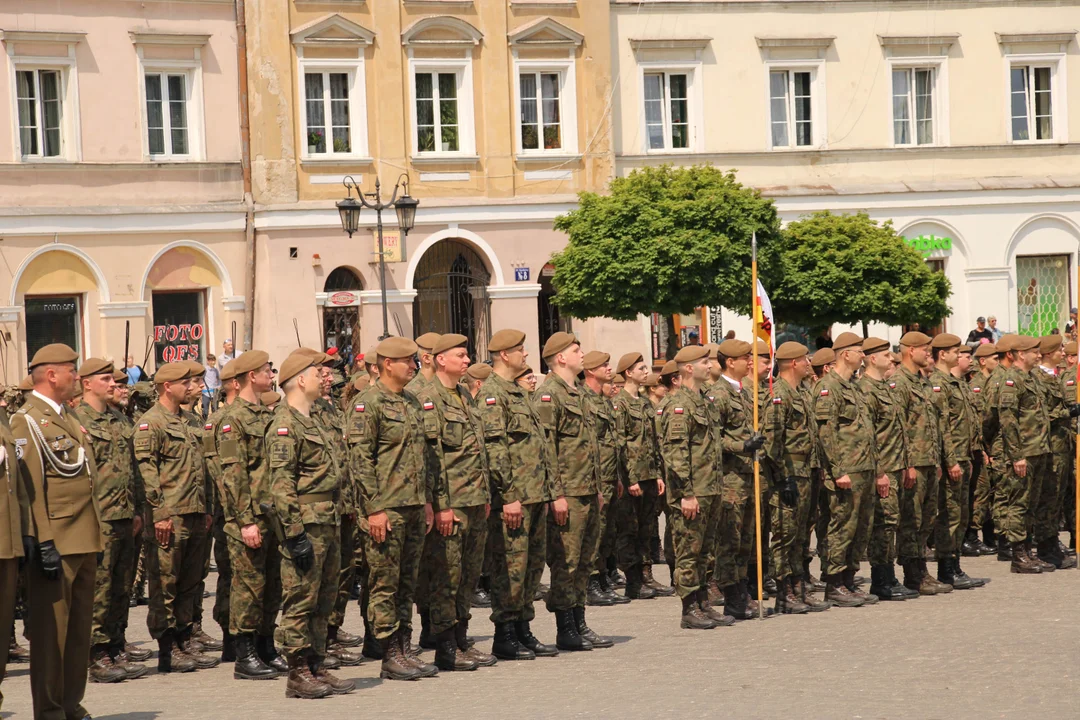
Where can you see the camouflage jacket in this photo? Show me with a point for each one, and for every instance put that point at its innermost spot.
(977, 385)
(790, 431)
(891, 437)
(921, 417)
(211, 458)
(1024, 422)
(332, 421)
(957, 418)
(388, 451)
(607, 436)
(571, 436)
(115, 487)
(245, 483)
(847, 433)
(418, 383)
(304, 474)
(637, 436)
(976, 415)
(1057, 409)
(517, 447)
(458, 461)
(690, 445)
(991, 424)
(171, 464)
(732, 411)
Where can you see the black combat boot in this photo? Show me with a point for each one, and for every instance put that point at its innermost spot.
(636, 588)
(609, 588)
(267, 651)
(970, 546)
(962, 576)
(567, 637)
(596, 595)
(946, 574)
(899, 587)
(587, 633)
(528, 640)
(1004, 549)
(449, 657)
(506, 646)
(427, 640)
(693, 618)
(228, 647)
(880, 584)
(247, 665)
(372, 648)
(735, 603)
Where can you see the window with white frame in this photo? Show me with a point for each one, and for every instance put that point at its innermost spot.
(667, 110)
(438, 111)
(791, 107)
(40, 98)
(328, 111)
(913, 105)
(539, 95)
(168, 97)
(1031, 101)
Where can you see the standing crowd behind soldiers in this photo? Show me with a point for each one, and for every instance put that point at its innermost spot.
(422, 487)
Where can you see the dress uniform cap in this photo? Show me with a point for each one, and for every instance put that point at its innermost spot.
(505, 340)
(915, 338)
(557, 343)
(594, 359)
(269, 397)
(734, 348)
(449, 341)
(120, 377)
(652, 381)
(250, 361)
(172, 372)
(670, 368)
(873, 345)
(986, 350)
(944, 341)
(791, 350)
(1050, 343)
(690, 353)
(297, 362)
(1023, 342)
(628, 361)
(427, 341)
(95, 366)
(54, 354)
(823, 357)
(1069, 348)
(396, 347)
(846, 340)
(479, 371)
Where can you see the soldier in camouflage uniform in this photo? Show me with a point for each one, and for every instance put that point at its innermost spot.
(304, 482)
(994, 444)
(849, 444)
(521, 487)
(574, 521)
(983, 481)
(919, 490)
(424, 344)
(978, 458)
(1068, 490)
(121, 520)
(454, 551)
(171, 465)
(387, 451)
(822, 364)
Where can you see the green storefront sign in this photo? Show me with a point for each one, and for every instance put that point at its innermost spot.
(930, 244)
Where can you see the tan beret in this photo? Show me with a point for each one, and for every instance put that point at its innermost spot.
(27, 383)
(120, 377)
(557, 343)
(1007, 343)
(195, 368)
(791, 350)
(628, 361)
(734, 348)
(945, 341)
(823, 357)
(250, 361)
(479, 371)
(269, 397)
(846, 340)
(1069, 348)
(1023, 343)
(426, 342)
(527, 371)
(1050, 343)
(713, 349)
(670, 368)
(618, 379)
(966, 350)
(690, 353)
(317, 356)
(986, 350)
(915, 339)
(95, 366)
(229, 371)
(371, 355)
(54, 354)
(594, 359)
(396, 347)
(897, 357)
(449, 342)
(362, 382)
(762, 348)
(874, 344)
(297, 362)
(652, 381)
(172, 372)
(506, 340)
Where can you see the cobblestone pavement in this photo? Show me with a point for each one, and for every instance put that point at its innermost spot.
(1008, 650)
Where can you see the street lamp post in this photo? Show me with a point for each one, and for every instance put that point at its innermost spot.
(405, 206)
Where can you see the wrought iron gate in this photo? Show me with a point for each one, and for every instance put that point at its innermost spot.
(451, 295)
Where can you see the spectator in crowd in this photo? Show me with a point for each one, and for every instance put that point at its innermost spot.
(1070, 327)
(981, 334)
(134, 372)
(992, 321)
(730, 335)
(227, 353)
(824, 340)
(211, 386)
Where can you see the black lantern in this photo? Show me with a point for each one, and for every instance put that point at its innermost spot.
(349, 210)
(406, 211)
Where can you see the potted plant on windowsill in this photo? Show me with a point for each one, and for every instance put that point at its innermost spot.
(315, 139)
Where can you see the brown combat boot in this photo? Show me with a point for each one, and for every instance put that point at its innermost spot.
(203, 662)
(16, 652)
(301, 683)
(338, 650)
(337, 685)
(448, 656)
(718, 618)
(933, 582)
(655, 585)
(395, 666)
(207, 642)
(102, 669)
(1043, 565)
(121, 660)
(471, 650)
(849, 583)
(692, 617)
(171, 657)
(838, 594)
(786, 600)
(1021, 562)
(716, 597)
(806, 596)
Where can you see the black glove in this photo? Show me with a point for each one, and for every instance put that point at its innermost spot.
(29, 546)
(301, 551)
(789, 492)
(753, 444)
(1074, 411)
(50, 560)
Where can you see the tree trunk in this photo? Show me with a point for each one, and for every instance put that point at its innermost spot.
(865, 334)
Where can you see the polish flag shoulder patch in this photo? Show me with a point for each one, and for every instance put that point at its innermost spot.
(976, 389)
(777, 401)
(226, 428)
(824, 393)
(208, 426)
(1070, 382)
(712, 398)
(429, 405)
(283, 431)
(359, 407)
(545, 398)
(892, 385)
(1010, 383)
(678, 411)
(937, 388)
(659, 411)
(144, 426)
(489, 401)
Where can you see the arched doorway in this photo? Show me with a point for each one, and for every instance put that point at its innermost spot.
(341, 314)
(57, 288)
(451, 295)
(551, 321)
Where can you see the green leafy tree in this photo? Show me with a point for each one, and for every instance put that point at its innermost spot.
(665, 240)
(850, 269)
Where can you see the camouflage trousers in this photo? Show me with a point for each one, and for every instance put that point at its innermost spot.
(571, 549)
(952, 519)
(818, 521)
(517, 563)
(851, 512)
(788, 529)
(694, 541)
(112, 585)
(735, 539)
(605, 547)
(450, 567)
(393, 571)
(347, 545)
(982, 494)
(1020, 497)
(1068, 498)
(208, 553)
(918, 512)
(882, 547)
(1047, 513)
(174, 573)
(223, 590)
(255, 591)
(307, 599)
(635, 519)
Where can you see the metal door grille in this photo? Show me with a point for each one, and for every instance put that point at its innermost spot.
(451, 295)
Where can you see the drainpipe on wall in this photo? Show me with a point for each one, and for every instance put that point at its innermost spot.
(245, 162)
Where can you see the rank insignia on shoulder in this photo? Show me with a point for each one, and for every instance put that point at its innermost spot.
(144, 426)
(1010, 383)
(545, 398)
(44, 422)
(937, 388)
(208, 426)
(360, 407)
(777, 401)
(824, 393)
(489, 401)
(283, 431)
(429, 405)
(19, 442)
(226, 428)
(678, 411)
